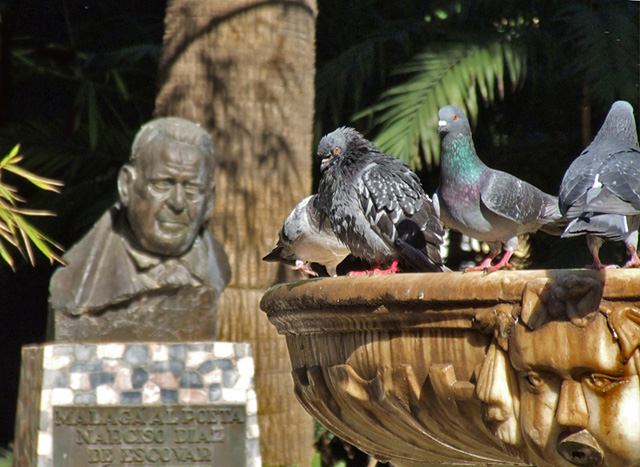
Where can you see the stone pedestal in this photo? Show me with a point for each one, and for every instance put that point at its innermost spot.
(151, 404)
(509, 368)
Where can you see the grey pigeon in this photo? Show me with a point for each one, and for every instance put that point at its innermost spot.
(306, 237)
(486, 204)
(377, 206)
(600, 191)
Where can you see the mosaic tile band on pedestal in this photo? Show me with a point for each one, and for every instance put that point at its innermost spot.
(177, 376)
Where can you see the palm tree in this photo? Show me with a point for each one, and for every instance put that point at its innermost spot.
(245, 71)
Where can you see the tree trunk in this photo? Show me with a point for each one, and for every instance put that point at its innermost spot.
(245, 71)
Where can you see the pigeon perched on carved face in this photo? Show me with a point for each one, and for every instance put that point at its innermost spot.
(600, 191)
(486, 204)
(307, 237)
(376, 205)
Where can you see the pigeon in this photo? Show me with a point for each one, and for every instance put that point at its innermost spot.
(600, 191)
(307, 237)
(376, 206)
(486, 204)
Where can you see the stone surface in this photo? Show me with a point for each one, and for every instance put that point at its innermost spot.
(511, 368)
(85, 414)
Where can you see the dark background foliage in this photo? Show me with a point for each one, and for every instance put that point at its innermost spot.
(537, 78)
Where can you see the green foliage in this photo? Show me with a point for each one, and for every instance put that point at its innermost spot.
(395, 64)
(14, 228)
(456, 72)
(80, 89)
(6, 458)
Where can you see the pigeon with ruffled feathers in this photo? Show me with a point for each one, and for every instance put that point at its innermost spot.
(307, 237)
(600, 191)
(486, 204)
(377, 206)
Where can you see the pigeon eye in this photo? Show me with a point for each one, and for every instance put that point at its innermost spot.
(337, 150)
(455, 117)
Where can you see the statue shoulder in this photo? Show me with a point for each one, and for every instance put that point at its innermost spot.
(79, 286)
(218, 260)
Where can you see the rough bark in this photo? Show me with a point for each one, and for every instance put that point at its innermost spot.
(245, 71)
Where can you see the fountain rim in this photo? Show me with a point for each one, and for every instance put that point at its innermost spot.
(447, 299)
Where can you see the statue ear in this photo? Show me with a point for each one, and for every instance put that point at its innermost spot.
(210, 202)
(624, 321)
(126, 177)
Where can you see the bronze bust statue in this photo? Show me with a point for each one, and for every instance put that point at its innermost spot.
(148, 269)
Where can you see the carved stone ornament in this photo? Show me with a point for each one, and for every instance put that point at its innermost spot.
(532, 367)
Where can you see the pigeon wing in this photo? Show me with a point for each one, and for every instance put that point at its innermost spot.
(619, 177)
(512, 198)
(577, 180)
(391, 192)
(400, 213)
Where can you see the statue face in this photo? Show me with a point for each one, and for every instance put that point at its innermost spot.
(497, 388)
(578, 400)
(168, 196)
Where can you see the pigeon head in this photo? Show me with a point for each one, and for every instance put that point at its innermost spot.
(452, 119)
(336, 144)
(619, 124)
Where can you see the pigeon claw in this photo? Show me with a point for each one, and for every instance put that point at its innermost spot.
(376, 271)
(634, 261)
(597, 264)
(504, 262)
(392, 269)
(484, 266)
(304, 269)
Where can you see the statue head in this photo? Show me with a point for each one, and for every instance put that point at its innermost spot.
(579, 386)
(167, 187)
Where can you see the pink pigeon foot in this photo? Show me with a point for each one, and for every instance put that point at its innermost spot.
(375, 271)
(304, 269)
(392, 269)
(486, 264)
(634, 261)
(504, 262)
(597, 264)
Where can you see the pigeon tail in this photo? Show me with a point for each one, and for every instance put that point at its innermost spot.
(278, 255)
(412, 259)
(610, 226)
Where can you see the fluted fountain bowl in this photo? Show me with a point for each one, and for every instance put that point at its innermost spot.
(507, 368)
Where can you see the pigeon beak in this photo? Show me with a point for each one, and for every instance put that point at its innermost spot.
(441, 125)
(325, 158)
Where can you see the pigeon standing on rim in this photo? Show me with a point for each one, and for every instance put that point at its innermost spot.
(376, 205)
(307, 237)
(485, 204)
(600, 191)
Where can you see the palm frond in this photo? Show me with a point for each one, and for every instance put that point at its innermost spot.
(449, 73)
(351, 77)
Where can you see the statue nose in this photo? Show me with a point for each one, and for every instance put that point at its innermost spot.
(580, 448)
(176, 198)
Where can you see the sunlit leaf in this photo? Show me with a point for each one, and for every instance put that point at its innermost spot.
(41, 182)
(14, 228)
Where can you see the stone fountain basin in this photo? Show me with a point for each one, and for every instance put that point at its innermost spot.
(392, 363)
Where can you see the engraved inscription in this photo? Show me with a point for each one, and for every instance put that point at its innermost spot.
(141, 436)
